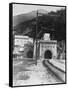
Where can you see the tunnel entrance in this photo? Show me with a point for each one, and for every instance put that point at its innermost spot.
(48, 54)
(30, 54)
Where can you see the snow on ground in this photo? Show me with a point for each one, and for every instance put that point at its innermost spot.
(35, 75)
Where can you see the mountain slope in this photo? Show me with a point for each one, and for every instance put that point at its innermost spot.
(28, 16)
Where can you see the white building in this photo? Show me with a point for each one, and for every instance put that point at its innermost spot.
(19, 41)
(46, 48)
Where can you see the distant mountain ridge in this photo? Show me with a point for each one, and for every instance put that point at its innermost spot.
(25, 17)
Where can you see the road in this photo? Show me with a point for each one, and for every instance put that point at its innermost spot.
(27, 73)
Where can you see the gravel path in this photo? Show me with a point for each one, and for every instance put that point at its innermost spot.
(35, 75)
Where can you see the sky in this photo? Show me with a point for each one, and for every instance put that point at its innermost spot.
(22, 9)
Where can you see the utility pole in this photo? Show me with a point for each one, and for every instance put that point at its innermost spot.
(36, 35)
(37, 31)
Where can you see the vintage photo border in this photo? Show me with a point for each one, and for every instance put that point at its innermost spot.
(11, 45)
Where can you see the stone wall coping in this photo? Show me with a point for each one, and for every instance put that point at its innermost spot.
(48, 41)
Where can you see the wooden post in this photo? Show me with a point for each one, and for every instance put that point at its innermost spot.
(36, 35)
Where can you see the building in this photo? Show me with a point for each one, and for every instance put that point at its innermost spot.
(19, 42)
(46, 48)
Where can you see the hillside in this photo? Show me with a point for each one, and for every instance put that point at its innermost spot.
(25, 17)
(53, 23)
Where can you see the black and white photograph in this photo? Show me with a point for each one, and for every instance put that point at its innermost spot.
(38, 44)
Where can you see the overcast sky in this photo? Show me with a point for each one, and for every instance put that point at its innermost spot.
(21, 9)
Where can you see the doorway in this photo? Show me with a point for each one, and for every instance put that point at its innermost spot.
(30, 54)
(48, 54)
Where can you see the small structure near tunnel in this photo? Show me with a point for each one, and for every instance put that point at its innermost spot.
(46, 48)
